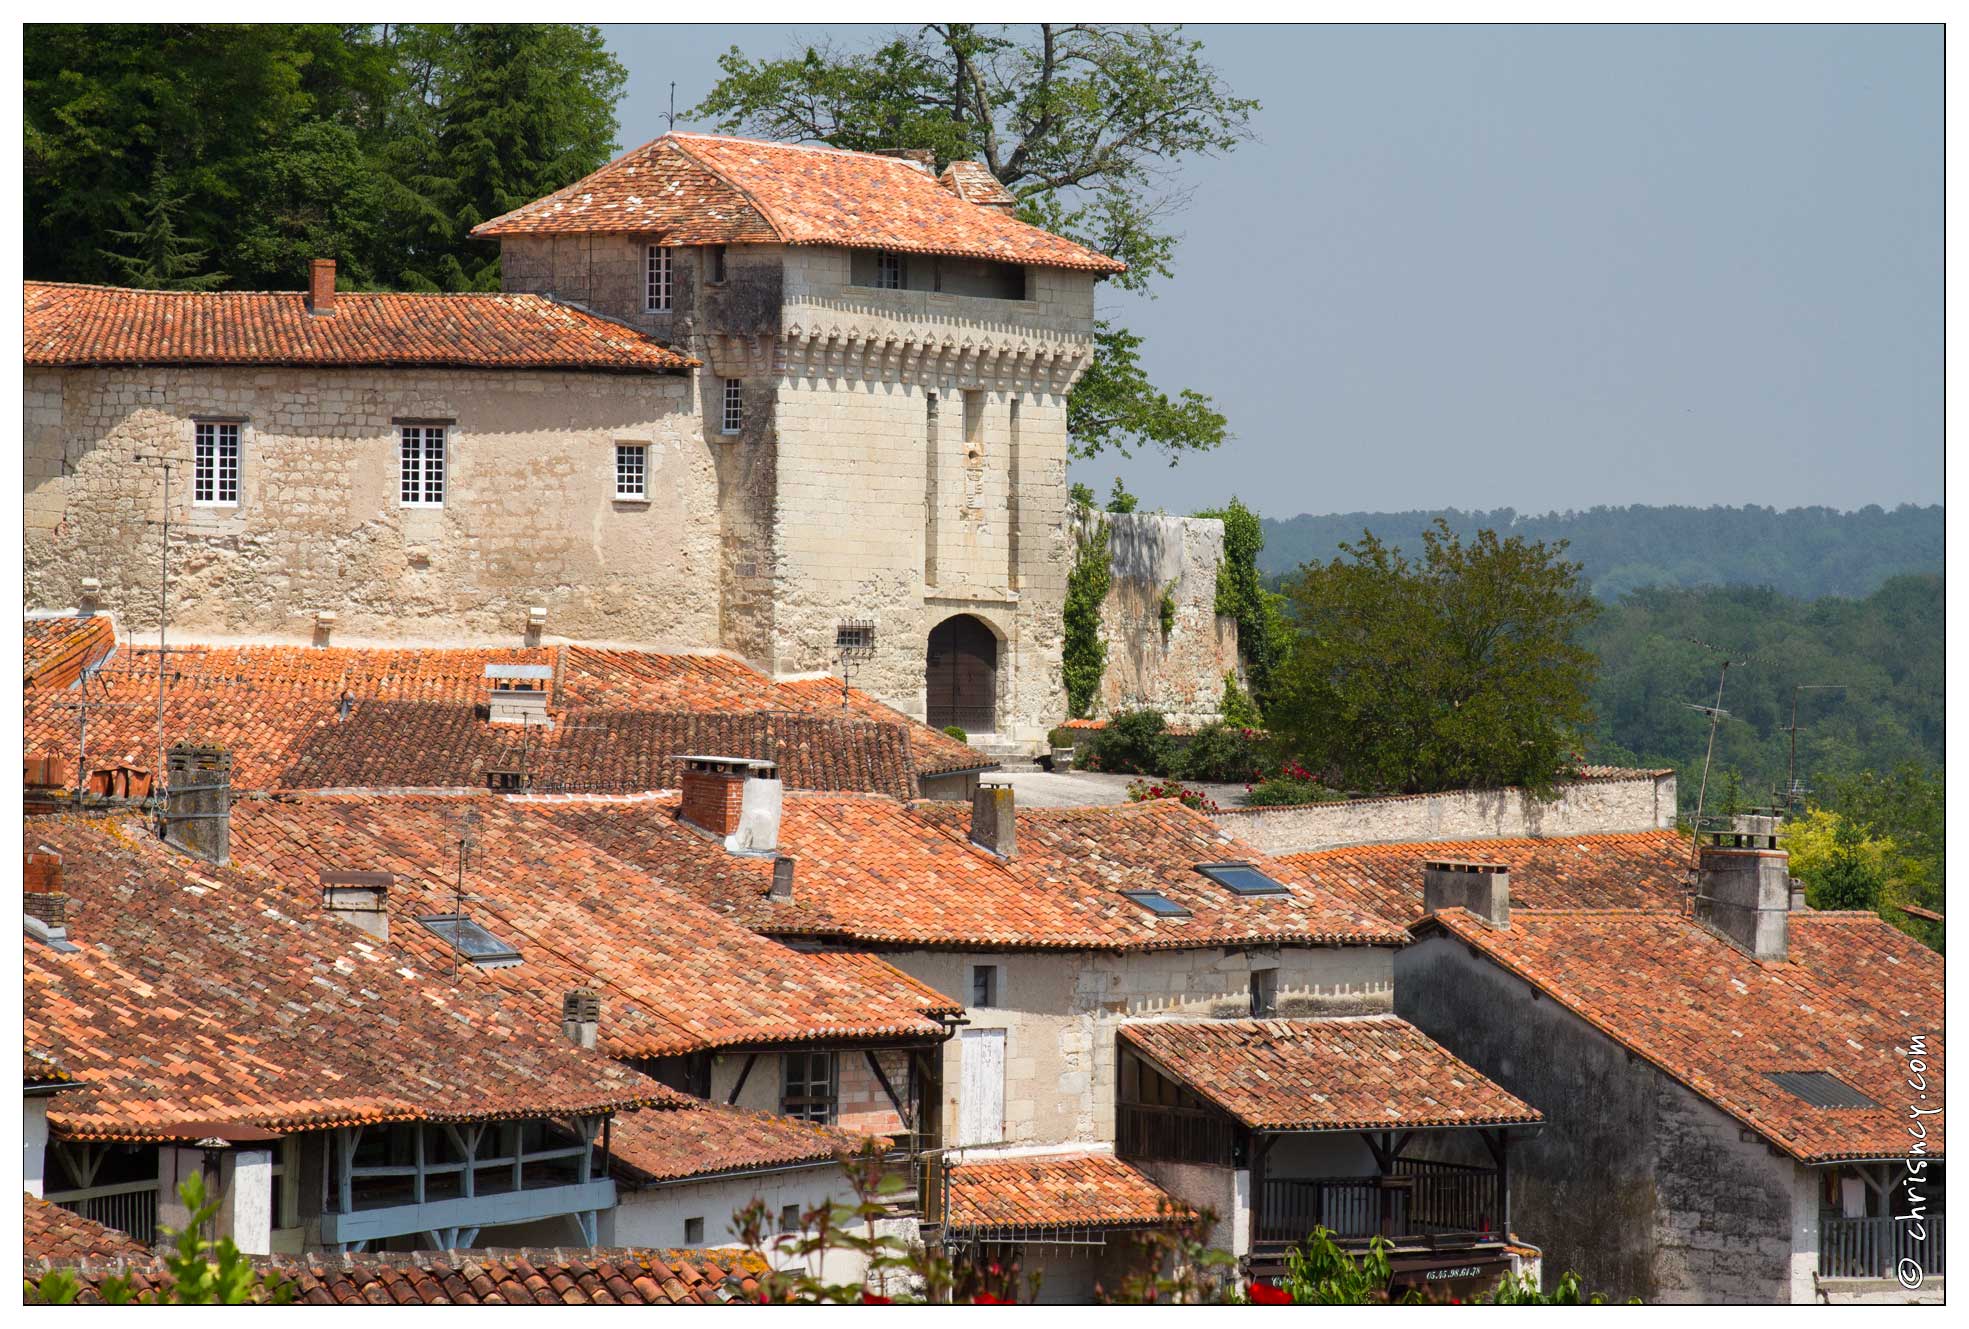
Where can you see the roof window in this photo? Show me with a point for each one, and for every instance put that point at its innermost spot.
(1821, 1089)
(1242, 879)
(471, 941)
(1157, 903)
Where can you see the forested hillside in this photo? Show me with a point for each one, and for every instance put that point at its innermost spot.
(1806, 552)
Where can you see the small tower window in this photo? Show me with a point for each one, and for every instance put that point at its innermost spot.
(734, 416)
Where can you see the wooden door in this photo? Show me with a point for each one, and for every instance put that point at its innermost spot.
(962, 675)
(981, 1087)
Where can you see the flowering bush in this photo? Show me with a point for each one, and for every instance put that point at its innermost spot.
(1141, 791)
(1290, 785)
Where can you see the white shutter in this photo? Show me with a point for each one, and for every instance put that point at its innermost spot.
(981, 1090)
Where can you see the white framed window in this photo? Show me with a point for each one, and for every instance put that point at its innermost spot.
(421, 449)
(734, 414)
(890, 274)
(656, 279)
(714, 263)
(632, 470)
(215, 464)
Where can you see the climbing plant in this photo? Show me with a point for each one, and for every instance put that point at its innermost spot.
(1263, 637)
(1086, 655)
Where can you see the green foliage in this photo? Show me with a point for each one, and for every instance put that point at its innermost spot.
(1061, 737)
(1237, 707)
(1219, 752)
(1081, 497)
(1165, 610)
(1134, 743)
(271, 144)
(1291, 785)
(1804, 551)
(1083, 122)
(1522, 1291)
(1143, 791)
(1903, 813)
(1264, 636)
(1842, 867)
(957, 732)
(1320, 1273)
(1120, 501)
(1084, 655)
(1460, 670)
(202, 1273)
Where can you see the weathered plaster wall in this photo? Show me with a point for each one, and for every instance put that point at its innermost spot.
(654, 1217)
(530, 517)
(1635, 1182)
(1595, 807)
(1061, 1012)
(1179, 672)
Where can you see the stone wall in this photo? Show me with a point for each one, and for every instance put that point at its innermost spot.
(529, 518)
(1062, 1010)
(1635, 1182)
(1588, 807)
(1179, 672)
(654, 1217)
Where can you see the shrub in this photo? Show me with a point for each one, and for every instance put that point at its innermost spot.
(1063, 737)
(1084, 655)
(1134, 743)
(957, 732)
(1219, 752)
(1141, 791)
(1237, 706)
(1166, 611)
(1290, 786)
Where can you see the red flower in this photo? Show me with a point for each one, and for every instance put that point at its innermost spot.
(986, 1299)
(1269, 1294)
(870, 1299)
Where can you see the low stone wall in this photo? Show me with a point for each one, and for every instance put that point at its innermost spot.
(1179, 672)
(1590, 807)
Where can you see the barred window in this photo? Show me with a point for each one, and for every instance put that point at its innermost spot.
(423, 465)
(656, 277)
(889, 271)
(807, 1090)
(215, 465)
(734, 406)
(631, 470)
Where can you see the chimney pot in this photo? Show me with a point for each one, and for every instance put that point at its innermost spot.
(198, 801)
(1482, 888)
(581, 1016)
(994, 825)
(1743, 894)
(782, 879)
(321, 286)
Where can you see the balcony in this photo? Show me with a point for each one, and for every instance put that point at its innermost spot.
(1421, 1203)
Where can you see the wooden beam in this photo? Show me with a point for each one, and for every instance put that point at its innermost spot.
(744, 1072)
(875, 1065)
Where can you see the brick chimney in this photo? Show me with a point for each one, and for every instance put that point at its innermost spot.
(321, 286)
(581, 1016)
(198, 801)
(1482, 888)
(993, 824)
(43, 897)
(360, 899)
(737, 798)
(1743, 888)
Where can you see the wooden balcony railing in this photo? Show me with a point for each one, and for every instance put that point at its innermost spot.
(1422, 1199)
(1172, 1134)
(1874, 1247)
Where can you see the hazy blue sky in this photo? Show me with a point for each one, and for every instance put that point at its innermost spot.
(1534, 267)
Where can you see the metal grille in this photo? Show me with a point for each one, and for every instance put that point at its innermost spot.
(631, 470)
(422, 452)
(656, 277)
(215, 464)
(1821, 1089)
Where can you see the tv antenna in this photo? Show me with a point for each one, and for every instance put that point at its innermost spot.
(673, 103)
(167, 464)
(1716, 715)
(468, 840)
(1791, 773)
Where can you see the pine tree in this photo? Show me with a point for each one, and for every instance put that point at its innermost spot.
(157, 257)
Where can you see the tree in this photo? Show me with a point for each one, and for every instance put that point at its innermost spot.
(1461, 670)
(1085, 123)
(157, 257)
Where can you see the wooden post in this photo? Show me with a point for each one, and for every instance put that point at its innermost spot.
(417, 1188)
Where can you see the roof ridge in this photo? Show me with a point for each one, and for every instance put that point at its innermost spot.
(765, 214)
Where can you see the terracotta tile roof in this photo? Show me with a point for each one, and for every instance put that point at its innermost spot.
(974, 183)
(1055, 1190)
(1350, 1073)
(204, 995)
(1846, 1002)
(61, 1236)
(1642, 870)
(712, 1138)
(701, 189)
(1591, 773)
(276, 708)
(596, 1276)
(57, 650)
(674, 976)
(876, 872)
(70, 326)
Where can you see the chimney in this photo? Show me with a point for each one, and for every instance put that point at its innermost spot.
(360, 899)
(581, 1016)
(923, 159)
(782, 880)
(321, 286)
(993, 825)
(42, 896)
(1743, 888)
(519, 694)
(198, 801)
(1482, 888)
(736, 798)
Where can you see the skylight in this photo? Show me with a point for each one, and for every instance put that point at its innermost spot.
(1242, 879)
(473, 942)
(1821, 1089)
(1157, 903)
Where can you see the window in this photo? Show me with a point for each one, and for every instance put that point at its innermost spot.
(807, 1086)
(1242, 879)
(734, 419)
(423, 465)
(984, 985)
(1157, 903)
(693, 1232)
(858, 635)
(471, 941)
(632, 470)
(890, 274)
(714, 264)
(789, 1218)
(215, 465)
(1264, 993)
(656, 279)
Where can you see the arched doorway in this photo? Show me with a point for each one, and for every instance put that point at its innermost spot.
(962, 674)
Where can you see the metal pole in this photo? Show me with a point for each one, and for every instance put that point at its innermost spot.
(163, 612)
(1715, 718)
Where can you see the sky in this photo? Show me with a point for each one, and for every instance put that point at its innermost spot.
(1544, 268)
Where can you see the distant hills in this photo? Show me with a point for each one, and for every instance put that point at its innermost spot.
(1803, 552)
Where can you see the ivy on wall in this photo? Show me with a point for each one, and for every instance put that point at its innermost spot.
(1086, 655)
(1262, 635)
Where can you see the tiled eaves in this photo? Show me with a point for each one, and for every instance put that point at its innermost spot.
(1094, 1190)
(713, 1139)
